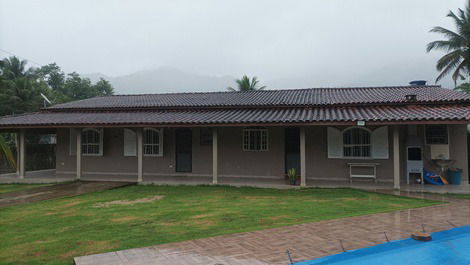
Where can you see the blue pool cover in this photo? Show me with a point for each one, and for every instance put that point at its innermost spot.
(447, 247)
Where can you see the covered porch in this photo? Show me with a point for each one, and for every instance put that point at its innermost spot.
(218, 155)
(49, 176)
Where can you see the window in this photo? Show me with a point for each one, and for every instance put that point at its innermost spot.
(206, 136)
(356, 143)
(436, 134)
(92, 142)
(153, 142)
(255, 139)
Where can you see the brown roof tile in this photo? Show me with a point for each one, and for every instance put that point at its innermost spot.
(244, 116)
(267, 98)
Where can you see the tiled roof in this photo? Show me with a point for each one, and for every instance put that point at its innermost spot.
(307, 106)
(287, 97)
(244, 116)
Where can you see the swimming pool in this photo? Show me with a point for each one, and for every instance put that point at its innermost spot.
(447, 247)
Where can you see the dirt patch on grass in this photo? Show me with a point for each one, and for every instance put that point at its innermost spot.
(128, 202)
(123, 219)
(88, 248)
(275, 218)
(251, 198)
(203, 215)
(351, 199)
(204, 223)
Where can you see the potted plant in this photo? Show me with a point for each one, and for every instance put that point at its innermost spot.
(292, 176)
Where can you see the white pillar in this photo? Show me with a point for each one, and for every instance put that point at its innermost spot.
(140, 154)
(79, 153)
(303, 163)
(215, 173)
(17, 144)
(396, 157)
(21, 154)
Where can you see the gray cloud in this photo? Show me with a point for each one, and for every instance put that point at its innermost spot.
(285, 43)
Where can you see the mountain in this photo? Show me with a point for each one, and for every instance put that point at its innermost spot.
(164, 80)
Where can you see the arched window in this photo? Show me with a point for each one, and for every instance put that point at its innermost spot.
(92, 141)
(153, 142)
(356, 142)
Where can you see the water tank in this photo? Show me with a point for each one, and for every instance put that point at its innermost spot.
(418, 83)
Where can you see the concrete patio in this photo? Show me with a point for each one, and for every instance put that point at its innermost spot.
(49, 176)
(305, 241)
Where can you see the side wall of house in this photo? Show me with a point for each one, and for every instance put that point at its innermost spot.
(234, 162)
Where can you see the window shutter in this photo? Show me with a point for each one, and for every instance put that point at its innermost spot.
(380, 143)
(101, 141)
(130, 143)
(335, 143)
(72, 142)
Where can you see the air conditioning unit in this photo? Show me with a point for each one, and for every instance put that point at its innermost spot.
(440, 151)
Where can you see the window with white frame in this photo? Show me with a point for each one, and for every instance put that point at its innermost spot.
(437, 134)
(356, 143)
(92, 142)
(255, 139)
(153, 142)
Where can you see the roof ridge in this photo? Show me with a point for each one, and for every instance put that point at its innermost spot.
(272, 90)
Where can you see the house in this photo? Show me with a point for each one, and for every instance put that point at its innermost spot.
(388, 134)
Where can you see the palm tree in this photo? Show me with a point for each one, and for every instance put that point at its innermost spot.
(12, 68)
(246, 84)
(456, 44)
(6, 153)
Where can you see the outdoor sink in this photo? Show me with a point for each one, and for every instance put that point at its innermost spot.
(443, 163)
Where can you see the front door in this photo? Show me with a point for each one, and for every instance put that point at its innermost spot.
(292, 149)
(184, 150)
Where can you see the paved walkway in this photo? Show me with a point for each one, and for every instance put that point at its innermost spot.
(56, 191)
(306, 241)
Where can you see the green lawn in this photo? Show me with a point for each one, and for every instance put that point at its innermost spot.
(15, 187)
(52, 232)
(459, 196)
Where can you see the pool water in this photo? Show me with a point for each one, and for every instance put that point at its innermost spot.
(447, 247)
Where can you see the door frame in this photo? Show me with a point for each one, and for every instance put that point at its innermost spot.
(176, 150)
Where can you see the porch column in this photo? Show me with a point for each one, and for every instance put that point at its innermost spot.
(215, 172)
(79, 153)
(303, 165)
(21, 154)
(396, 157)
(140, 154)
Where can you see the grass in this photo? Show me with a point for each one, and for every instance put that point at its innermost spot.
(55, 231)
(16, 187)
(459, 196)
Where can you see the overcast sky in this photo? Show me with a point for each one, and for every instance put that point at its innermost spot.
(285, 43)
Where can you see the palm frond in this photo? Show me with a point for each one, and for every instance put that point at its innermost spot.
(441, 45)
(457, 73)
(459, 21)
(449, 57)
(449, 67)
(451, 35)
(6, 153)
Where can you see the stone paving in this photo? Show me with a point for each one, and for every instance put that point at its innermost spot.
(56, 191)
(305, 241)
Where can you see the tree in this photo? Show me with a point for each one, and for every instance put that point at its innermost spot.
(13, 67)
(246, 84)
(21, 87)
(6, 152)
(465, 87)
(456, 44)
(104, 88)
